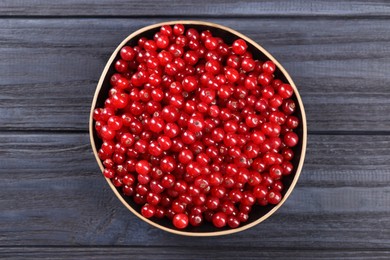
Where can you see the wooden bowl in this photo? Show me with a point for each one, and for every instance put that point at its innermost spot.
(258, 213)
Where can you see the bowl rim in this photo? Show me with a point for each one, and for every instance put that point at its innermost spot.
(270, 57)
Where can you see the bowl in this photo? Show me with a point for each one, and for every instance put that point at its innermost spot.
(258, 213)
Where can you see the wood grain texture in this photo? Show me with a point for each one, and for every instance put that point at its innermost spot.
(47, 79)
(179, 253)
(56, 196)
(180, 8)
(54, 203)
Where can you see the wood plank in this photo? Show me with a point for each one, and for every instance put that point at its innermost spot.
(197, 252)
(52, 193)
(331, 160)
(194, 8)
(340, 67)
(346, 161)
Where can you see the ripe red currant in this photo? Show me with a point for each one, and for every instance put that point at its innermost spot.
(195, 129)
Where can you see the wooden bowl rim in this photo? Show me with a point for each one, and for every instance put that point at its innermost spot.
(261, 49)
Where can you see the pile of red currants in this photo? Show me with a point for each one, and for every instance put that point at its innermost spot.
(195, 129)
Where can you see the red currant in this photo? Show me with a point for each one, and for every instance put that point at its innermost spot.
(195, 129)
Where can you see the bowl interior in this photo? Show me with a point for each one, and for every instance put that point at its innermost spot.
(257, 212)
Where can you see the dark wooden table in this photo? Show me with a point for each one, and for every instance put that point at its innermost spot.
(54, 202)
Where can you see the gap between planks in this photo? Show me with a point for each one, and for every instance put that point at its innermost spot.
(194, 17)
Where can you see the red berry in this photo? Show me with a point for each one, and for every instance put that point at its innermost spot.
(275, 172)
(120, 100)
(248, 64)
(290, 139)
(164, 142)
(156, 124)
(285, 90)
(287, 168)
(233, 222)
(170, 114)
(121, 66)
(194, 169)
(274, 197)
(195, 124)
(196, 220)
(260, 191)
(143, 167)
(239, 46)
(109, 173)
(219, 219)
(168, 164)
(107, 133)
(127, 139)
(232, 75)
(180, 221)
(211, 43)
(127, 53)
(162, 42)
(168, 181)
(269, 67)
(188, 137)
(178, 29)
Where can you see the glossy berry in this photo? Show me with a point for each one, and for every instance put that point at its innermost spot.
(180, 221)
(195, 124)
(164, 142)
(156, 124)
(148, 211)
(285, 91)
(274, 197)
(127, 53)
(291, 139)
(168, 164)
(269, 67)
(185, 156)
(143, 167)
(239, 46)
(219, 219)
(127, 139)
(170, 114)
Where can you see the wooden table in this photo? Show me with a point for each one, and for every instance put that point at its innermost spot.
(54, 202)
